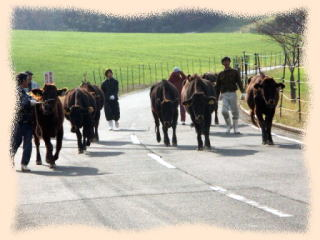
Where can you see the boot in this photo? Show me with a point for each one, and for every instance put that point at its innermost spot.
(228, 123)
(235, 127)
(110, 125)
(117, 124)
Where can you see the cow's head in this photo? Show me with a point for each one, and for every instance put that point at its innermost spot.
(80, 117)
(48, 97)
(168, 109)
(269, 91)
(198, 104)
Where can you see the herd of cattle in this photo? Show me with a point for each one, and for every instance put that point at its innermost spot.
(82, 106)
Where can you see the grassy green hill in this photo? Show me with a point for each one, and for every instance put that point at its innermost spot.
(70, 54)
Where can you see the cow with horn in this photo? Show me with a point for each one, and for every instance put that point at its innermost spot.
(164, 105)
(199, 98)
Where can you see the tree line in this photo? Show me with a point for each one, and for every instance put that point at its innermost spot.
(174, 21)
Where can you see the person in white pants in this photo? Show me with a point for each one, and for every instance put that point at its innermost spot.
(227, 84)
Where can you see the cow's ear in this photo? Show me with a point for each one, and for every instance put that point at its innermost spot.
(257, 86)
(280, 85)
(189, 77)
(37, 92)
(187, 103)
(62, 92)
(211, 100)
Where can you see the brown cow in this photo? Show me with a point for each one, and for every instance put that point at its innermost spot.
(48, 121)
(99, 97)
(262, 98)
(80, 109)
(199, 98)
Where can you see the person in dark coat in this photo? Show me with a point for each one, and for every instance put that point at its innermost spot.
(176, 78)
(31, 84)
(22, 131)
(110, 88)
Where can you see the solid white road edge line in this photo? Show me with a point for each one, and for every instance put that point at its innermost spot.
(280, 136)
(134, 139)
(160, 160)
(249, 202)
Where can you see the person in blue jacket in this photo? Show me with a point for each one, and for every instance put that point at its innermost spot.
(22, 131)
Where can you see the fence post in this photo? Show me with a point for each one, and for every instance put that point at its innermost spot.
(299, 89)
(132, 78)
(150, 73)
(94, 77)
(283, 77)
(200, 69)
(121, 80)
(155, 72)
(188, 66)
(139, 75)
(99, 75)
(143, 75)
(127, 78)
(255, 63)
(214, 64)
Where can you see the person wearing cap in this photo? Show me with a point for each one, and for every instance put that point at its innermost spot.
(110, 87)
(22, 131)
(228, 82)
(176, 78)
(31, 84)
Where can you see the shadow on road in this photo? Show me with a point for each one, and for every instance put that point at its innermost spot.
(232, 152)
(231, 135)
(113, 143)
(103, 154)
(130, 130)
(69, 171)
(289, 146)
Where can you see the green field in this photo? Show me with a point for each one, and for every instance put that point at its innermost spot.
(143, 58)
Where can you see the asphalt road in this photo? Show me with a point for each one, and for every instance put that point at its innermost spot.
(129, 181)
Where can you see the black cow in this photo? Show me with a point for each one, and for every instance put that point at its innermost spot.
(164, 103)
(199, 98)
(80, 109)
(48, 121)
(212, 77)
(98, 95)
(262, 98)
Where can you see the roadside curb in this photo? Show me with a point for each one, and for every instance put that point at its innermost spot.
(279, 125)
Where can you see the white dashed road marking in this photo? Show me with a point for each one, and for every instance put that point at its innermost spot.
(250, 202)
(134, 139)
(280, 136)
(160, 160)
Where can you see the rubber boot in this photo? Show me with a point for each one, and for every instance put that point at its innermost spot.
(235, 127)
(229, 127)
(110, 125)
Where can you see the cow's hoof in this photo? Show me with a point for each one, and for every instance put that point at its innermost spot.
(200, 148)
(207, 148)
(39, 162)
(80, 151)
(52, 166)
(174, 144)
(270, 143)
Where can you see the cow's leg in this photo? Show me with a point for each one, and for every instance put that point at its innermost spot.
(216, 119)
(49, 147)
(206, 132)
(165, 136)
(59, 143)
(262, 126)
(37, 143)
(84, 140)
(269, 118)
(157, 122)
(174, 127)
(96, 125)
(198, 131)
(79, 139)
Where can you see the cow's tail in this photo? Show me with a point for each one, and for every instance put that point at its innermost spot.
(253, 119)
